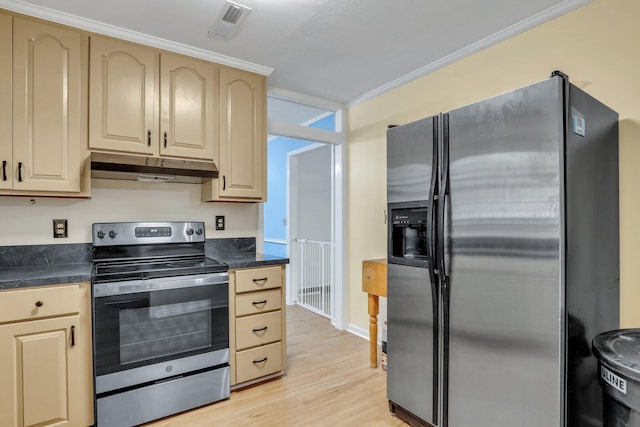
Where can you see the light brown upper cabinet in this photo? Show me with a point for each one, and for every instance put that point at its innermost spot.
(188, 116)
(44, 108)
(123, 112)
(145, 102)
(243, 145)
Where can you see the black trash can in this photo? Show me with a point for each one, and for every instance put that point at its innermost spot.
(618, 354)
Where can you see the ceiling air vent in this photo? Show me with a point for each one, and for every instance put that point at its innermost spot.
(230, 19)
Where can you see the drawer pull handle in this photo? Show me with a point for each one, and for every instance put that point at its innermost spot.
(19, 171)
(4, 170)
(165, 140)
(255, 331)
(263, 302)
(263, 281)
(264, 359)
(149, 138)
(39, 303)
(73, 336)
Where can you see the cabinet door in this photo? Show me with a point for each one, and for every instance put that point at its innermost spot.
(6, 143)
(242, 135)
(47, 89)
(123, 113)
(41, 373)
(187, 107)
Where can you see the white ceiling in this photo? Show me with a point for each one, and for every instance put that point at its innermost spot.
(339, 50)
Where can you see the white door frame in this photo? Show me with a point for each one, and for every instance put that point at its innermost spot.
(339, 139)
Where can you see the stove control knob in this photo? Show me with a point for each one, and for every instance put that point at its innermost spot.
(113, 234)
(199, 231)
(190, 231)
(101, 234)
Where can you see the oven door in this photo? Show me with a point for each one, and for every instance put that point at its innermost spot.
(147, 330)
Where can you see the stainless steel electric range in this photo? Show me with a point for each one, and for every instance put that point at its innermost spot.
(161, 321)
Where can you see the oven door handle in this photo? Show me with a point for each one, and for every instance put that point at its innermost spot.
(159, 284)
(128, 301)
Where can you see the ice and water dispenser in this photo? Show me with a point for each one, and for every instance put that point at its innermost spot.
(408, 233)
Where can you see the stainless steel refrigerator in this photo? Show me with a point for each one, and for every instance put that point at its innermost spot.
(503, 259)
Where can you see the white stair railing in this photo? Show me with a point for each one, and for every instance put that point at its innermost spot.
(313, 281)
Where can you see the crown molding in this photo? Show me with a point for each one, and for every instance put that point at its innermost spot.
(133, 36)
(513, 30)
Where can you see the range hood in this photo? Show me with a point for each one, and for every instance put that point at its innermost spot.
(151, 169)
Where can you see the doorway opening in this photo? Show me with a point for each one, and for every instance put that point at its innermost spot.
(302, 218)
(311, 227)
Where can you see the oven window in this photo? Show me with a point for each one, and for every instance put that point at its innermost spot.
(153, 332)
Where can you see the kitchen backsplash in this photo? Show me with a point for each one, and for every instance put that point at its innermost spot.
(216, 247)
(36, 255)
(29, 221)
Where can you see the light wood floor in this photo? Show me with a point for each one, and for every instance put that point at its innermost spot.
(328, 383)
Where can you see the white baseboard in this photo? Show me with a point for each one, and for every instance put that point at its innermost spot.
(364, 333)
(358, 331)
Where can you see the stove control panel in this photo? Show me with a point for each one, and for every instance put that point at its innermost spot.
(154, 231)
(140, 233)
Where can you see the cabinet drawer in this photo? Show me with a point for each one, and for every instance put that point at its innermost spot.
(258, 362)
(258, 330)
(258, 279)
(35, 303)
(258, 302)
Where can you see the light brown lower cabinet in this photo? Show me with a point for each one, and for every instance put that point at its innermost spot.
(257, 324)
(46, 374)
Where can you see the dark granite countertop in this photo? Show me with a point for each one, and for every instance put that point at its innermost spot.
(250, 259)
(240, 253)
(42, 275)
(41, 265)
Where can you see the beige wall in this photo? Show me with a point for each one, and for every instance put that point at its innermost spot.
(24, 223)
(598, 46)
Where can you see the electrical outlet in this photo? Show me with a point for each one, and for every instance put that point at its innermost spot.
(60, 228)
(220, 222)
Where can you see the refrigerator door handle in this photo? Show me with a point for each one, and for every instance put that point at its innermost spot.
(433, 189)
(443, 278)
(432, 263)
(442, 199)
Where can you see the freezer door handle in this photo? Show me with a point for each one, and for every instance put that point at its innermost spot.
(443, 278)
(432, 263)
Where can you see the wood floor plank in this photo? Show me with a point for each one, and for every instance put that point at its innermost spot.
(328, 383)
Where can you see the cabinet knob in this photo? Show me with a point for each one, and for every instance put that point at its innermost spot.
(39, 303)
